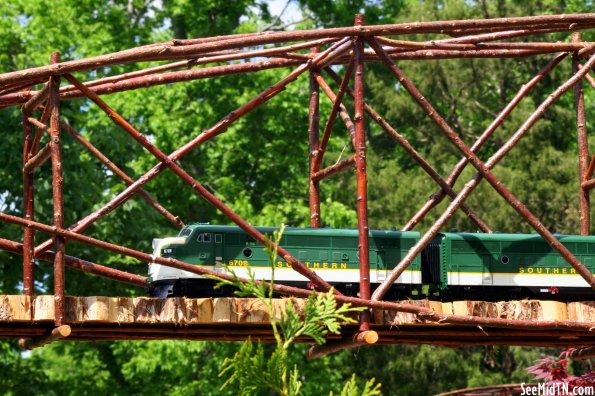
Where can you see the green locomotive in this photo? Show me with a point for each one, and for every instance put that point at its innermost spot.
(454, 265)
(331, 253)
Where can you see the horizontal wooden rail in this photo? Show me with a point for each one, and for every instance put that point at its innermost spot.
(237, 319)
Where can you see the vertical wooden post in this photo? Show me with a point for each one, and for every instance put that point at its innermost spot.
(314, 136)
(28, 210)
(360, 171)
(57, 182)
(583, 145)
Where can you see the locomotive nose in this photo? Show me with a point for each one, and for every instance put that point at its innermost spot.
(155, 244)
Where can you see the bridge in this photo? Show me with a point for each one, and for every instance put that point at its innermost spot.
(526, 322)
(39, 91)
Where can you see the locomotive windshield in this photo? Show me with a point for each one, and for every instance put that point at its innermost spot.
(185, 232)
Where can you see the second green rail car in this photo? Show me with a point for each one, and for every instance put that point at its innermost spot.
(501, 266)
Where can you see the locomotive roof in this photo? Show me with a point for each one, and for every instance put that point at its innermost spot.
(515, 237)
(306, 231)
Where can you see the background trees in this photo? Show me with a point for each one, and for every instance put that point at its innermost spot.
(260, 168)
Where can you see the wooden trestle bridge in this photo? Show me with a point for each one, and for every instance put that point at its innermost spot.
(39, 92)
(526, 322)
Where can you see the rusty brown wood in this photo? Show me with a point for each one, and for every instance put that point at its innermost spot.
(28, 211)
(199, 188)
(361, 175)
(564, 331)
(452, 336)
(588, 77)
(386, 335)
(221, 336)
(209, 72)
(36, 100)
(314, 145)
(382, 331)
(62, 331)
(116, 118)
(360, 339)
(185, 75)
(38, 159)
(338, 167)
(487, 37)
(402, 141)
(484, 170)
(162, 51)
(237, 328)
(215, 71)
(206, 135)
(435, 54)
(438, 44)
(81, 265)
(26, 86)
(29, 147)
(422, 314)
(451, 331)
(39, 131)
(439, 195)
(586, 52)
(559, 26)
(174, 220)
(399, 139)
(343, 114)
(458, 343)
(583, 145)
(589, 185)
(337, 106)
(591, 167)
(561, 47)
(148, 258)
(160, 79)
(200, 61)
(57, 194)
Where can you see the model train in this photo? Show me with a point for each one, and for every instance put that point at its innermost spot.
(454, 265)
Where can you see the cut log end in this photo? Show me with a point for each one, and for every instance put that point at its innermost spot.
(37, 342)
(366, 337)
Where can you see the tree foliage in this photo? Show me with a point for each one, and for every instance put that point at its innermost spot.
(255, 371)
(555, 372)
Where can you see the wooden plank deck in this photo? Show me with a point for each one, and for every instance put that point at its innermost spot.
(235, 319)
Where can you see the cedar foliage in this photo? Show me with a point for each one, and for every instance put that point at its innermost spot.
(254, 370)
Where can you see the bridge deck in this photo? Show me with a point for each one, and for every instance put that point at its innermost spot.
(236, 319)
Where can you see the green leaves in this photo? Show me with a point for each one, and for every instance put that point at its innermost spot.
(351, 388)
(254, 371)
(321, 316)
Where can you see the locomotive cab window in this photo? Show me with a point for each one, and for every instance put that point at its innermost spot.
(204, 237)
(186, 232)
(218, 238)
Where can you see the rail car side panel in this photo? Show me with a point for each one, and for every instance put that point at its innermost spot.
(514, 260)
(332, 254)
